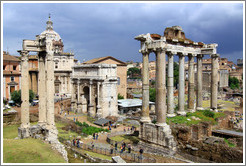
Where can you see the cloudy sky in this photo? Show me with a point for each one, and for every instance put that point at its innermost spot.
(94, 30)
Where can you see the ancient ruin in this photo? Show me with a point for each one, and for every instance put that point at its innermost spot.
(95, 90)
(45, 45)
(173, 42)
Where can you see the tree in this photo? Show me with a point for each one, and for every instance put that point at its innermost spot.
(16, 96)
(233, 83)
(176, 74)
(134, 72)
(152, 93)
(120, 96)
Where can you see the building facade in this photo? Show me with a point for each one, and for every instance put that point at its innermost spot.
(63, 63)
(121, 72)
(11, 75)
(95, 90)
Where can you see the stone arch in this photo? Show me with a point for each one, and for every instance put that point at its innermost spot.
(86, 92)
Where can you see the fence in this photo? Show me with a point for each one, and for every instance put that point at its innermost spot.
(133, 157)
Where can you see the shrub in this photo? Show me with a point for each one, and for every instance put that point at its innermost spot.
(89, 130)
(120, 96)
(208, 113)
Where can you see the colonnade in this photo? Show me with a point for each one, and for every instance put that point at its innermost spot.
(160, 103)
(45, 91)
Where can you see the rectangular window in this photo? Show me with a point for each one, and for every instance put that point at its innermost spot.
(4, 67)
(14, 67)
(12, 78)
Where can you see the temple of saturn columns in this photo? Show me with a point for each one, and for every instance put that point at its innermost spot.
(45, 45)
(173, 42)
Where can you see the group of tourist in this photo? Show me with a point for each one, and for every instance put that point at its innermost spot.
(77, 142)
(95, 136)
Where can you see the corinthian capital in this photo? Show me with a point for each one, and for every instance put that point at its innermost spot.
(215, 55)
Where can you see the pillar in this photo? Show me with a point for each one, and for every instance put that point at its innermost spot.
(25, 122)
(42, 90)
(50, 89)
(79, 103)
(91, 106)
(160, 104)
(214, 81)
(170, 101)
(181, 98)
(99, 109)
(191, 83)
(145, 91)
(199, 82)
(24, 129)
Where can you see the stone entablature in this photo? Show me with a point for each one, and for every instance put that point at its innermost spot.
(95, 90)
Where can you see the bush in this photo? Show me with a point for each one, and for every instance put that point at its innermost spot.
(16, 96)
(89, 130)
(208, 113)
(120, 96)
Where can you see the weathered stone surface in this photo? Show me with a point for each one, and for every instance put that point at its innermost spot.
(118, 159)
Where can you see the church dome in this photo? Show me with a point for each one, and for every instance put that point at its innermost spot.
(50, 32)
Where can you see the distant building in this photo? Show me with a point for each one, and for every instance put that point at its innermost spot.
(121, 71)
(11, 75)
(95, 90)
(240, 62)
(33, 73)
(63, 63)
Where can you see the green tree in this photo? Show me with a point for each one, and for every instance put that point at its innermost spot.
(233, 83)
(152, 93)
(16, 96)
(120, 96)
(176, 74)
(134, 72)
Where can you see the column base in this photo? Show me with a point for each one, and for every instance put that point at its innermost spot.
(23, 132)
(42, 124)
(191, 110)
(145, 120)
(171, 115)
(214, 110)
(91, 111)
(182, 113)
(199, 108)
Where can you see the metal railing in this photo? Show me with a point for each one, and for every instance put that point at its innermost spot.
(131, 157)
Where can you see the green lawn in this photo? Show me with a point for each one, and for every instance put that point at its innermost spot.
(63, 133)
(199, 114)
(29, 151)
(97, 155)
(10, 131)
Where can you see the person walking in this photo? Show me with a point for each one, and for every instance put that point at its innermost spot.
(96, 136)
(78, 143)
(115, 145)
(129, 148)
(111, 149)
(121, 149)
(141, 153)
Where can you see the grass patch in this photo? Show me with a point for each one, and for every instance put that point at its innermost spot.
(101, 156)
(229, 143)
(125, 138)
(10, 131)
(89, 130)
(63, 133)
(29, 151)
(204, 116)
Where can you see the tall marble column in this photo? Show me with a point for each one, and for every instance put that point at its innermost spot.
(145, 91)
(199, 82)
(214, 81)
(170, 101)
(91, 106)
(78, 91)
(191, 83)
(25, 122)
(42, 89)
(50, 89)
(181, 98)
(99, 109)
(160, 104)
(34, 82)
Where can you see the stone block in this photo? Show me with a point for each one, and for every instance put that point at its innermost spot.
(118, 159)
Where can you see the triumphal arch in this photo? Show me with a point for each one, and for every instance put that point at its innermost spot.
(172, 43)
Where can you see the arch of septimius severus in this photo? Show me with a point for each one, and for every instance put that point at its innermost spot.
(173, 42)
